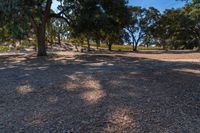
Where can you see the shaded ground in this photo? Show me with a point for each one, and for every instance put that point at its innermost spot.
(100, 93)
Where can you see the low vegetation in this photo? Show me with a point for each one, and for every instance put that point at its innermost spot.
(124, 47)
(4, 48)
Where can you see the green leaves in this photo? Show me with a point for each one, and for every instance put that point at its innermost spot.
(100, 19)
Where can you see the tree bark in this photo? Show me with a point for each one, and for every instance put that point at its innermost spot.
(51, 42)
(133, 41)
(88, 43)
(98, 44)
(110, 46)
(148, 44)
(198, 47)
(135, 46)
(41, 41)
(40, 28)
(59, 40)
(135, 49)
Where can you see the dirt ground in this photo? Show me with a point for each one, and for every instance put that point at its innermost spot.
(113, 92)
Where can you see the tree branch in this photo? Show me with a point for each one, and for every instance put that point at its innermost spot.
(33, 23)
(47, 11)
(53, 15)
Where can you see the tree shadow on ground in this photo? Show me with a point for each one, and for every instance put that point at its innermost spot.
(98, 93)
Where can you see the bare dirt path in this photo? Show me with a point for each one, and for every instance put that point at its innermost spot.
(73, 92)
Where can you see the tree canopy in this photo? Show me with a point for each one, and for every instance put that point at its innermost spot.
(100, 21)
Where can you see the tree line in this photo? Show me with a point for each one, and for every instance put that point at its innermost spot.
(100, 21)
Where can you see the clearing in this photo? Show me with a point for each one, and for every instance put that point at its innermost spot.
(112, 92)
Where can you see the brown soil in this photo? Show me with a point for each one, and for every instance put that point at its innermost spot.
(74, 92)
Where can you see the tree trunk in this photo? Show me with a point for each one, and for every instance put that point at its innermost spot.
(163, 43)
(59, 40)
(40, 28)
(41, 41)
(88, 43)
(133, 41)
(51, 42)
(110, 46)
(198, 49)
(35, 47)
(133, 47)
(97, 43)
(76, 47)
(136, 46)
(148, 45)
(82, 43)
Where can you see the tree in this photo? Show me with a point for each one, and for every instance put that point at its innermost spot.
(192, 11)
(37, 13)
(100, 20)
(170, 29)
(179, 28)
(136, 25)
(86, 23)
(152, 16)
(60, 28)
(116, 16)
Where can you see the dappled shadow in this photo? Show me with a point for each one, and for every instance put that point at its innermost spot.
(98, 93)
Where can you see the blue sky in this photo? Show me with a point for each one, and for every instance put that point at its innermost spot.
(159, 4)
(55, 4)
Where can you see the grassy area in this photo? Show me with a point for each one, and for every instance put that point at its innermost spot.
(4, 48)
(125, 47)
(118, 47)
(129, 48)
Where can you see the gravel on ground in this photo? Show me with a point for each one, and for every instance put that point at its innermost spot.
(125, 92)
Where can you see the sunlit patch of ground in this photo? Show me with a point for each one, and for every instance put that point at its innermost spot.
(121, 120)
(95, 92)
(192, 71)
(24, 89)
(182, 57)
